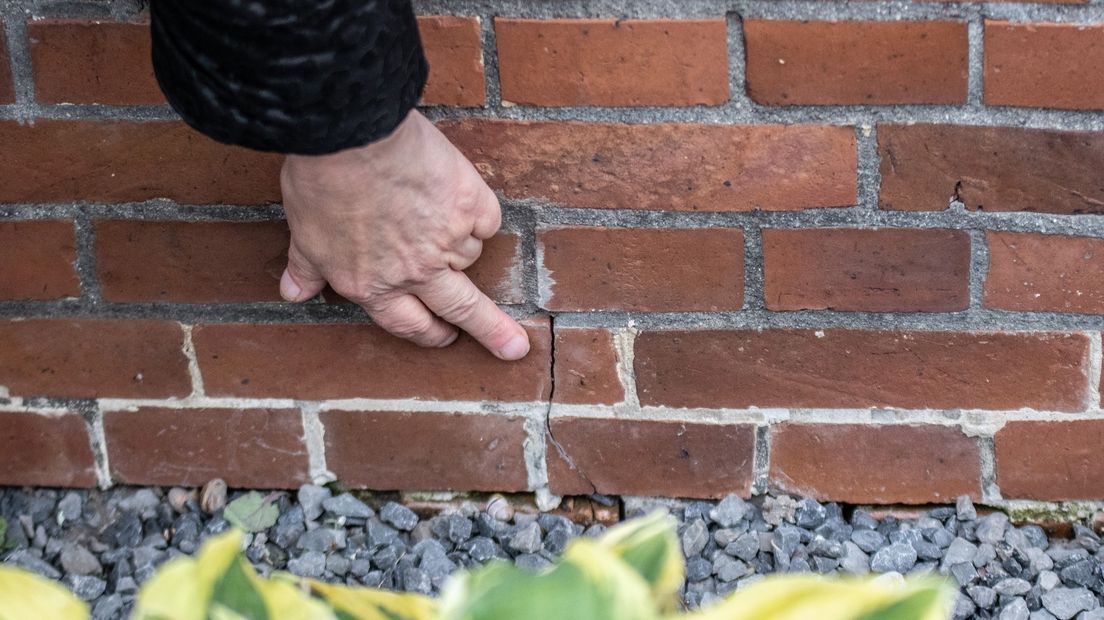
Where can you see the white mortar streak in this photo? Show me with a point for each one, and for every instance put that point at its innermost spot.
(314, 438)
(975, 61)
(98, 442)
(1092, 400)
(987, 455)
(507, 409)
(624, 341)
(545, 282)
(535, 453)
(193, 362)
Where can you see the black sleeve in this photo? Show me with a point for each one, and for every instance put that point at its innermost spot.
(294, 76)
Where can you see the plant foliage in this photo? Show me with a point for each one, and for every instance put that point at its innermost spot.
(633, 572)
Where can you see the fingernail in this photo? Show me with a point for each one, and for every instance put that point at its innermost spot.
(289, 290)
(515, 349)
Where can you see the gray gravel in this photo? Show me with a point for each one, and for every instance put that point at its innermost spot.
(104, 545)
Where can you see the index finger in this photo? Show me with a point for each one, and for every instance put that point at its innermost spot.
(453, 297)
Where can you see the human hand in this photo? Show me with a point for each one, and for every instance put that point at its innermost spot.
(391, 226)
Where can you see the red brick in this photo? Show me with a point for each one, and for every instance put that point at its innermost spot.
(1044, 65)
(991, 168)
(643, 269)
(623, 62)
(642, 457)
(388, 450)
(45, 450)
(855, 62)
(1050, 460)
(7, 86)
(586, 367)
(252, 448)
(889, 464)
(88, 358)
(886, 270)
(78, 61)
(856, 368)
(38, 258)
(362, 361)
(191, 262)
(1045, 273)
(123, 161)
(455, 54)
(663, 167)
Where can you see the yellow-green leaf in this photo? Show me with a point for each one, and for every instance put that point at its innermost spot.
(649, 546)
(591, 583)
(252, 512)
(183, 588)
(371, 604)
(24, 596)
(801, 597)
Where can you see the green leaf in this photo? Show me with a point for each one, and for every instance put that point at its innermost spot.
(3, 533)
(234, 591)
(922, 604)
(252, 512)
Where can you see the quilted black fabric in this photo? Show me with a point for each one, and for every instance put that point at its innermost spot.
(294, 76)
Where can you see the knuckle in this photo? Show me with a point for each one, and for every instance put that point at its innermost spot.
(409, 327)
(463, 305)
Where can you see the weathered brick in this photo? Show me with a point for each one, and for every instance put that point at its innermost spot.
(586, 367)
(45, 450)
(855, 62)
(88, 358)
(664, 166)
(623, 62)
(857, 368)
(455, 53)
(590, 268)
(1045, 273)
(991, 168)
(885, 270)
(122, 161)
(1044, 65)
(322, 361)
(38, 258)
(387, 450)
(860, 463)
(644, 457)
(191, 262)
(80, 61)
(1050, 460)
(251, 448)
(7, 86)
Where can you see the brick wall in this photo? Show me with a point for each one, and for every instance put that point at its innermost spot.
(853, 250)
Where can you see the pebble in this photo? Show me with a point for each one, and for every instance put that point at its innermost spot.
(898, 557)
(1015, 610)
(868, 540)
(108, 607)
(694, 538)
(854, 561)
(401, 517)
(527, 539)
(746, 547)
(311, 564)
(1012, 587)
(310, 498)
(990, 529)
(346, 505)
(964, 509)
(77, 560)
(984, 597)
(86, 587)
(730, 511)
(1065, 603)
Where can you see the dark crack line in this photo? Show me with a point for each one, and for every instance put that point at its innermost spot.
(548, 414)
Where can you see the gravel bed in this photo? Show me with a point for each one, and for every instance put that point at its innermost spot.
(103, 545)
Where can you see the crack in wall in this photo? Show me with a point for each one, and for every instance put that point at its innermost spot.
(551, 436)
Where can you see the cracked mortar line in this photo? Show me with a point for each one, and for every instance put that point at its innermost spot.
(540, 437)
(987, 455)
(1093, 370)
(760, 467)
(193, 363)
(314, 438)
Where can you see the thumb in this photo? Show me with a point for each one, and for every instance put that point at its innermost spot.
(301, 280)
